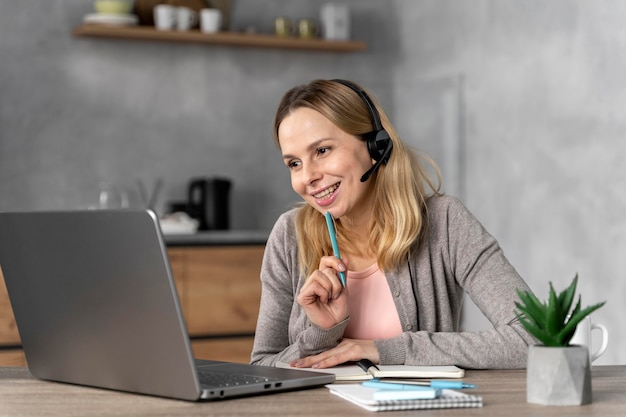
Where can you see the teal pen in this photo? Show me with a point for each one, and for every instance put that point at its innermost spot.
(441, 384)
(333, 242)
(395, 387)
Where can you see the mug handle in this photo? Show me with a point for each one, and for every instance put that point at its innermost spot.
(605, 340)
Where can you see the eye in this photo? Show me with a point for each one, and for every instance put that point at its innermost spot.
(322, 150)
(293, 164)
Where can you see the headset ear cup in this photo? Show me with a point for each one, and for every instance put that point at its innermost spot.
(377, 143)
(382, 158)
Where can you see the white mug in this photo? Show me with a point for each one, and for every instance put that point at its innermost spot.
(210, 20)
(165, 17)
(583, 337)
(335, 19)
(186, 18)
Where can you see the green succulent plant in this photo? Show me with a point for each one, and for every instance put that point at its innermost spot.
(551, 322)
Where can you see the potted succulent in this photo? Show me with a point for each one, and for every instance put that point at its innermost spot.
(557, 373)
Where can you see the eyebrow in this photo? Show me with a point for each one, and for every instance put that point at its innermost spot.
(313, 145)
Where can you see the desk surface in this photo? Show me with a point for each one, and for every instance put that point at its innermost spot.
(503, 392)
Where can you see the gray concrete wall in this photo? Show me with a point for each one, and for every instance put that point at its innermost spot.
(543, 133)
(519, 101)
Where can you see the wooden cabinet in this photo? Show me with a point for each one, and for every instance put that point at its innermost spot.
(219, 290)
(10, 353)
(9, 335)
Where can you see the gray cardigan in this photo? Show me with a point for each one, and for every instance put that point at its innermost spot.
(456, 256)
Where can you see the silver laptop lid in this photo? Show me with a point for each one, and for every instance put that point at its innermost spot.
(75, 298)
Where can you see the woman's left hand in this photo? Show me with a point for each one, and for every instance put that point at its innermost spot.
(346, 351)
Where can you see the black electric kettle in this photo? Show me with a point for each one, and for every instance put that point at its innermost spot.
(208, 202)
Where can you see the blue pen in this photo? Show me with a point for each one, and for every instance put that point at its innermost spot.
(441, 384)
(333, 242)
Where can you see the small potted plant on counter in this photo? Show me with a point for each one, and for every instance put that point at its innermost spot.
(557, 373)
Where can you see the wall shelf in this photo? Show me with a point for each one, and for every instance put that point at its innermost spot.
(149, 33)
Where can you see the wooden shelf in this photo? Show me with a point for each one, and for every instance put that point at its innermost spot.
(149, 33)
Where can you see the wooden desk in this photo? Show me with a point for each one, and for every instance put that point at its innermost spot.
(503, 392)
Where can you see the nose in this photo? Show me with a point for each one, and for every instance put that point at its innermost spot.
(310, 173)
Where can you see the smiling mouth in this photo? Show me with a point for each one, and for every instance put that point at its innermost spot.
(328, 191)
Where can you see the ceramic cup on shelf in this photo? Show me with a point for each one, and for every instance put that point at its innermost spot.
(307, 28)
(165, 17)
(584, 336)
(210, 20)
(186, 18)
(282, 26)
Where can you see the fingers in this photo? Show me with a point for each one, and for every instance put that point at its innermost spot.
(323, 284)
(348, 350)
(318, 288)
(316, 362)
(322, 297)
(331, 266)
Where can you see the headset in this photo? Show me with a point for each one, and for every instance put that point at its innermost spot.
(379, 144)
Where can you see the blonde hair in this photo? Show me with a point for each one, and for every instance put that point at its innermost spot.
(398, 187)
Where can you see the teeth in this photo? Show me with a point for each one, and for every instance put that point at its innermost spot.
(326, 192)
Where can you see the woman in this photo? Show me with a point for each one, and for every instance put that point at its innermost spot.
(408, 251)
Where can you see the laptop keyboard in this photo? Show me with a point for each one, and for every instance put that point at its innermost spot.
(216, 379)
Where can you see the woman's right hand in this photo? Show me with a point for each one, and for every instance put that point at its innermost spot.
(323, 298)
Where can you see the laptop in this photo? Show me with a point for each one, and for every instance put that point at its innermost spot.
(95, 304)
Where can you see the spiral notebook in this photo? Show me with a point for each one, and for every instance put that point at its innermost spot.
(365, 397)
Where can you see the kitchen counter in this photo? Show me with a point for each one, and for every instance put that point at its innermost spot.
(218, 238)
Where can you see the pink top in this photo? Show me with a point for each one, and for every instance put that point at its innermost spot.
(373, 313)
